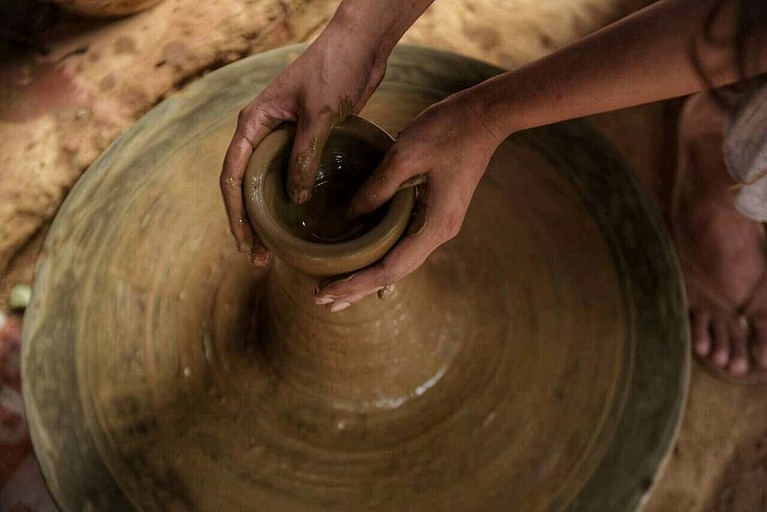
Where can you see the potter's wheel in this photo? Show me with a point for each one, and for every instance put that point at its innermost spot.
(558, 311)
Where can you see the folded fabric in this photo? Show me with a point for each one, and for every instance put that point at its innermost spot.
(745, 151)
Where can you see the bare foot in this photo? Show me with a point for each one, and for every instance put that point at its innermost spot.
(722, 252)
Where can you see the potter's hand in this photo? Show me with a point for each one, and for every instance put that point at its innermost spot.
(331, 80)
(450, 145)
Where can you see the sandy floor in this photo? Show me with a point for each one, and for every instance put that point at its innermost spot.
(59, 111)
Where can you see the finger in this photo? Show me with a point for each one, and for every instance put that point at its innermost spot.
(406, 256)
(312, 133)
(383, 183)
(231, 188)
(340, 305)
(415, 227)
(252, 127)
(321, 298)
(409, 253)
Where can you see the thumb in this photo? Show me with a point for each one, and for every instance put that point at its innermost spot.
(312, 133)
(391, 175)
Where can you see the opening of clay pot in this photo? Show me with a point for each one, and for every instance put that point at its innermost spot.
(318, 237)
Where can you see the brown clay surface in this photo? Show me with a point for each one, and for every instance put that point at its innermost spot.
(112, 73)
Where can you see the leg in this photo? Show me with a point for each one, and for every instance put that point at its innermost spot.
(722, 251)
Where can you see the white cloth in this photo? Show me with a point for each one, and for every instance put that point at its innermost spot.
(745, 152)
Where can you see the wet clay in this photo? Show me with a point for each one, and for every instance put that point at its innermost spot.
(537, 362)
(320, 237)
(345, 164)
(325, 217)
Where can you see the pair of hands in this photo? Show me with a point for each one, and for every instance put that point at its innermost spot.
(331, 80)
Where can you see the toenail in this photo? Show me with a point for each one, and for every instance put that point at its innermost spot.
(701, 348)
(739, 367)
(720, 359)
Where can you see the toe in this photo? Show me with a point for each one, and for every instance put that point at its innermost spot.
(720, 355)
(759, 342)
(701, 332)
(739, 356)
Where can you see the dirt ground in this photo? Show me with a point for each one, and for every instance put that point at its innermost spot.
(60, 109)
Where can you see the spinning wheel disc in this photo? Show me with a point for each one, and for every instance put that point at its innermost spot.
(557, 318)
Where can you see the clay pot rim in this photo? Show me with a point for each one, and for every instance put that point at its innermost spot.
(317, 258)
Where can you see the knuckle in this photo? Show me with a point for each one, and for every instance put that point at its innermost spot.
(260, 116)
(243, 117)
(250, 116)
(401, 162)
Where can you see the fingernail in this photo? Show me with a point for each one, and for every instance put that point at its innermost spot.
(298, 196)
(321, 301)
(339, 306)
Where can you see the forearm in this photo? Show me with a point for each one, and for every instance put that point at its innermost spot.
(643, 58)
(378, 24)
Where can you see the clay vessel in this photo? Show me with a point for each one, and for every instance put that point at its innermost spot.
(370, 368)
(538, 361)
(355, 144)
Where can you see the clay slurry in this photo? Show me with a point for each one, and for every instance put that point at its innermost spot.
(343, 169)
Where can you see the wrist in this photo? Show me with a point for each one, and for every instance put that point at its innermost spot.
(500, 104)
(353, 23)
(476, 108)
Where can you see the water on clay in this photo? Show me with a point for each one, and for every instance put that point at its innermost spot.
(324, 218)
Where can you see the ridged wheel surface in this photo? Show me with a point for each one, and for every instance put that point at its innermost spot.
(557, 313)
